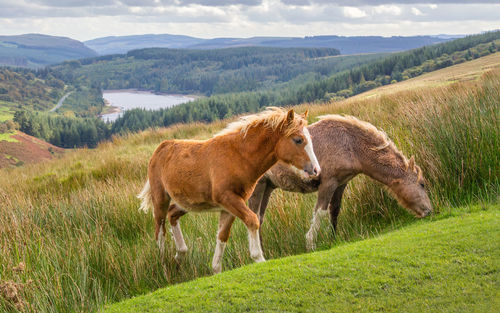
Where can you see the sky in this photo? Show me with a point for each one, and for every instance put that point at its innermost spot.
(89, 19)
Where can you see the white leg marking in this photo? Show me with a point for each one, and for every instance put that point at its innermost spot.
(161, 242)
(180, 245)
(313, 231)
(310, 151)
(217, 260)
(254, 244)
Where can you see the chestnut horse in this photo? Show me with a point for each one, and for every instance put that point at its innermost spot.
(220, 174)
(346, 147)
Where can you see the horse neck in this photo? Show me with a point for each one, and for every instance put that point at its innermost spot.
(257, 148)
(385, 165)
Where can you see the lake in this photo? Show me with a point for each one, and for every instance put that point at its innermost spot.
(124, 100)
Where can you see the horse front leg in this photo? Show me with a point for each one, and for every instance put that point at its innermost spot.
(325, 193)
(225, 222)
(235, 205)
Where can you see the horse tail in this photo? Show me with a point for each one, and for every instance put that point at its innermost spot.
(145, 195)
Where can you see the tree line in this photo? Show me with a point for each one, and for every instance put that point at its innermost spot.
(62, 131)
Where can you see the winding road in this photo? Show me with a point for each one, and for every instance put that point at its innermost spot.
(60, 102)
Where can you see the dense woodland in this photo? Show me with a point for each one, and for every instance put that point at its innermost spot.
(204, 72)
(62, 131)
(303, 87)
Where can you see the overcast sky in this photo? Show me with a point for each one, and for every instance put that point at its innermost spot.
(88, 19)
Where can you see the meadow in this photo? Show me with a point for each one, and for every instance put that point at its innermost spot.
(74, 224)
(448, 265)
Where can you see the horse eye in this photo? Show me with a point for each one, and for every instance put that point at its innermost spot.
(298, 140)
(422, 185)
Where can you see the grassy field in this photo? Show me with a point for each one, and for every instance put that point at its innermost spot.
(73, 222)
(451, 265)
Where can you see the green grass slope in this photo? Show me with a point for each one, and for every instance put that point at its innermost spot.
(449, 265)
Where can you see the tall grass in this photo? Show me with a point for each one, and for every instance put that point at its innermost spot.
(74, 221)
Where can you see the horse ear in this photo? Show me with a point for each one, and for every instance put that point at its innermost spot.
(411, 163)
(304, 115)
(290, 116)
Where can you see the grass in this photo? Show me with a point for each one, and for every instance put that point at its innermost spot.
(5, 111)
(8, 137)
(451, 265)
(75, 225)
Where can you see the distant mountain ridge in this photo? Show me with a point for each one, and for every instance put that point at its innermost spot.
(37, 50)
(346, 45)
(123, 44)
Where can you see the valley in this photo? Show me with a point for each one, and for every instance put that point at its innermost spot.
(89, 247)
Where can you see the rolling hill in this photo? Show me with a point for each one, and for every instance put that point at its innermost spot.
(346, 45)
(37, 50)
(18, 148)
(123, 44)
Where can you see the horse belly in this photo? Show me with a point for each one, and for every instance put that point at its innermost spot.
(192, 206)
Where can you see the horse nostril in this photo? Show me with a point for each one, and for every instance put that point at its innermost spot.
(316, 171)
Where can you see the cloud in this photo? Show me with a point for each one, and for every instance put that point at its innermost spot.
(387, 9)
(353, 12)
(416, 11)
(87, 19)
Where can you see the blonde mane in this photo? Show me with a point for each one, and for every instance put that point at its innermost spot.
(377, 134)
(271, 117)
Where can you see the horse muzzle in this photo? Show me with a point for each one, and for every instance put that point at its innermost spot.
(312, 170)
(425, 213)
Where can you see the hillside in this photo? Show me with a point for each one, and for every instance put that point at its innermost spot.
(37, 50)
(17, 148)
(346, 45)
(202, 71)
(384, 71)
(451, 265)
(466, 71)
(28, 89)
(74, 221)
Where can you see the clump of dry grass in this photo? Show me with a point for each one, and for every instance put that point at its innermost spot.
(74, 221)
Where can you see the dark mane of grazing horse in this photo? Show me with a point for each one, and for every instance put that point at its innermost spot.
(346, 147)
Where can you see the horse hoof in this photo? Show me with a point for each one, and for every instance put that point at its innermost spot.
(179, 256)
(310, 245)
(217, 269)
(259, 259)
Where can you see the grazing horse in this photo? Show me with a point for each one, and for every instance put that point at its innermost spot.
(220, 174)
(346, 147)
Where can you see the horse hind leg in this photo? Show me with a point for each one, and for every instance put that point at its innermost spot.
(174, 213)
(325, 193)
(335, 204)
(225, 222)
(161, 201)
